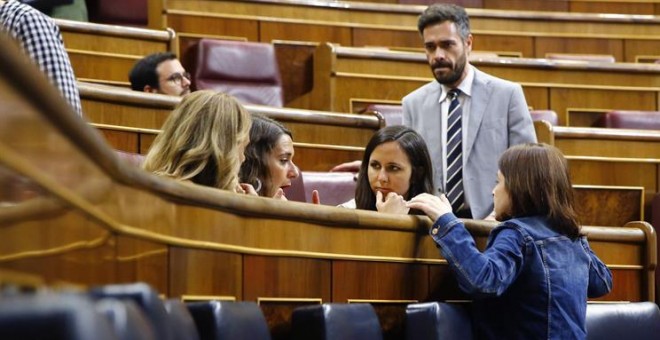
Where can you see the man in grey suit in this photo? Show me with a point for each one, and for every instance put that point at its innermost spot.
(494, 113)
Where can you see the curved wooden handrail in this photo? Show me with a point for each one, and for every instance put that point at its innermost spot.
(166, 35)
(110, 93)
(606, 133)
(380, 54)
(472, 12)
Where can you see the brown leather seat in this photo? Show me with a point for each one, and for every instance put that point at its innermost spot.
(334, 187)
(547, 115)
(643, 120)
(246, 70)
(119, 12)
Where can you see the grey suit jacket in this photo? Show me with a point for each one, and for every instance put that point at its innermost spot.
(499, 118)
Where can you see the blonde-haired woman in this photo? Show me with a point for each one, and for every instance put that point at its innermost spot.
(203, 141)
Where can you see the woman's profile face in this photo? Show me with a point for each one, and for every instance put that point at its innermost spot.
(280, 165)
(389, 169)
(502, 199)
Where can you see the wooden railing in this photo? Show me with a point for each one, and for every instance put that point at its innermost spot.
(106, 53)
(346, 77)
(362, 24)
(130, 121)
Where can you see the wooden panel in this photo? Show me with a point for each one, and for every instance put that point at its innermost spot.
(384, 37)
(377, 281)
(623, 7)
(270, 31)
(622, 283)
(122, 140)
(267, 277)
(639, 47)
(212, 26)
(203, 272)
(544, 45)
(142, 261)
(310, 158)
(563, 99)
(484, 41)
(121, 114)
(295, 61)
(528, 5)
(608, 206)
(102, 67)
(112, 44)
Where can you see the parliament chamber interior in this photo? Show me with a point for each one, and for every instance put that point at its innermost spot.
(94, 247)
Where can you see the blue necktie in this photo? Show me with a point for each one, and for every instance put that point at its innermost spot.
(454, 188)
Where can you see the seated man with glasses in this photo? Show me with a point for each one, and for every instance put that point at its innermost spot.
(160, 73)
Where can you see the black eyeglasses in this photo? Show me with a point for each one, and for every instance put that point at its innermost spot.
(177, 78)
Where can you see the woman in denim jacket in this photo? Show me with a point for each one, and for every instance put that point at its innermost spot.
(534, 277)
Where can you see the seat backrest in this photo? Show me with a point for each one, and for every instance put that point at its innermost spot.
(246, 70)
(183, 325)
(225, 320)
(393, 114)
(334, 187)
(54, 317)
(118, 12)
(644, 120)
(134, 159)
(638, 320)
(547, 115)
(126, 318)
(146, 298)
(601, 58)
(438, 321)
(336, 321)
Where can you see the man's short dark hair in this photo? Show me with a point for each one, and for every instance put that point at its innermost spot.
(439, 13)
(144, 71)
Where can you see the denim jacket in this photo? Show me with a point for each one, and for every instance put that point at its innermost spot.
(529, 283)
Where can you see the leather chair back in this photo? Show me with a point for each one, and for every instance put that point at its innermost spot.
(547, 115)
(336, 321)
(146, 298)
(119, 12)
(53, 317)
(126, 319)
(246, 70)
(438, 321)
(643, 120)
(616, 321)
(224, 320)
(183, 324)
(334, 187)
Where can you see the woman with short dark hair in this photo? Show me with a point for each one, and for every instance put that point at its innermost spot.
(534, 277)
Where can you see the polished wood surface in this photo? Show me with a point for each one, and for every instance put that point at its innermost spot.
(531, 33)
(617, 157)
(579, 92)
(643, 7)
(106, 53)
(121, 107)
(80, 215)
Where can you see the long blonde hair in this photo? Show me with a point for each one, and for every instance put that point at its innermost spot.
(199, 140)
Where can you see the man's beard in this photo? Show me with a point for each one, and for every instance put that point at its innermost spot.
(454, 73)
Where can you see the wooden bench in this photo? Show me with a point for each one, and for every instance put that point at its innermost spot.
(106, 53)
(609, 157)
(578, 92)
(531, 33)
(648, 7)
(101, 221)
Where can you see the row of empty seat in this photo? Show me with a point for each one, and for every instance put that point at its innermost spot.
(135, 311)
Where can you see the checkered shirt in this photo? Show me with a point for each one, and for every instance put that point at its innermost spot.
(42, 41)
